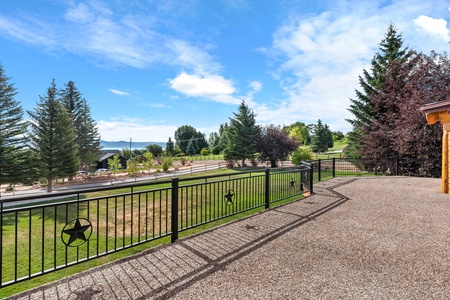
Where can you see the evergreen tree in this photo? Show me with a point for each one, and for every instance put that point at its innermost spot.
(223, 141)
(242, 135)
(87, 137)
(190, 148)
(12, 129)
(170, 147)
(53, 138)
(322, 138)
(391, 48)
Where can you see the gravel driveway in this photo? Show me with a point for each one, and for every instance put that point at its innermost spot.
(356, 238)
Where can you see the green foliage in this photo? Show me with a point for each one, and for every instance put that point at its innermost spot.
(148, 161)
(186, 134)
(114, 164)
(166, 162)
(204, 152)
(53, 138)
(156, 150)
(126, 153)
(91, 158)
(170, 147)
(362, 107)
(322, 138)
(301, 154)
(191, 149)
(242, 135)
(215, 150)
(87, 137)
(337, 135)
(13, 161)
(132, 168)
(300, 131)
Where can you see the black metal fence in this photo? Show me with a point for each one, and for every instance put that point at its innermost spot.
(41, 234)
(328, 168)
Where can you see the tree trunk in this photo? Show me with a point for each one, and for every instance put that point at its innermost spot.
(49, 185)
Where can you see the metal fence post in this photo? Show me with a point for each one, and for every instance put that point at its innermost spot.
(267, 188)
(333, 167)
(311, 179)
(174, 210)
(396, 166)
(319, 168)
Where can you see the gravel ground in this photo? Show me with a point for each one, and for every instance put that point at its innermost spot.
(356, 238)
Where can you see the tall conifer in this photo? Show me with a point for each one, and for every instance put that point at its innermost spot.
(390, 48)
(87, 137)
(12, 133)
(53, 138)
(242, 135)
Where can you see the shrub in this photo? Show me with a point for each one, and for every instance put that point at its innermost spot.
(215, 150)
(204, 152)
(302, 153)
(166, 162)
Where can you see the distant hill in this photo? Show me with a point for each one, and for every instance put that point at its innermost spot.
(126, 145)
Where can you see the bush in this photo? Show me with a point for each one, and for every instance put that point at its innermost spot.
(215, 150)
(204, 152)
(166, 162)
(302, 153)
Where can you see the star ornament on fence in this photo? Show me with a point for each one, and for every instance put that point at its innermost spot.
(76, 229)
(229, 197)
(292, 183)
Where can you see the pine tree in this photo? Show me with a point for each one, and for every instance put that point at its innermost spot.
(391, 48)
(321, 138)
(242, 135)
(87, 137)
(53, 138)
(169, 147)
(12, 129)
(190, 148)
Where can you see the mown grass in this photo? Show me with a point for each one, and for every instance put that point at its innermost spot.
(31, 238)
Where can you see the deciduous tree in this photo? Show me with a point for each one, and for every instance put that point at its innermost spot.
(275, 145)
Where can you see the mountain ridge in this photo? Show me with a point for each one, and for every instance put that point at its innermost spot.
(126, 145)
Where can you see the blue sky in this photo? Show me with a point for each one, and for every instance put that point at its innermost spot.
(147, 67)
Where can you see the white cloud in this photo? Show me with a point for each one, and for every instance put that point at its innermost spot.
(213, 87)
(319, 57)
(138, 129)
(435, 27)
(80, 14)
(120, 93)
(256, 86)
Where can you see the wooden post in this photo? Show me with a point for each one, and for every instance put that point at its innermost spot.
(440, 112)
(445, 157)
